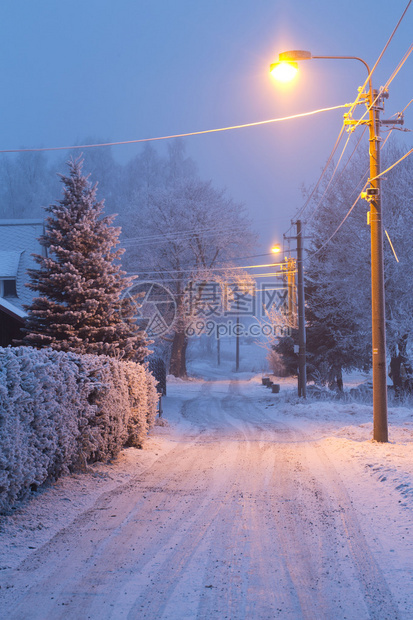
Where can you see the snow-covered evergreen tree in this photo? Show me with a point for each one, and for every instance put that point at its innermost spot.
(79, 283)
(337, 283)
(338, 291)
(338, 301)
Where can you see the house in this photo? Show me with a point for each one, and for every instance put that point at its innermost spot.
(19, 239)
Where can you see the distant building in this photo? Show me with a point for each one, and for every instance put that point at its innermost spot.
(19, 239)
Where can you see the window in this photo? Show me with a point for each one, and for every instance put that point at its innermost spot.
(9, 288)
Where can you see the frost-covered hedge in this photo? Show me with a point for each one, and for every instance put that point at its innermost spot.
(61, 411)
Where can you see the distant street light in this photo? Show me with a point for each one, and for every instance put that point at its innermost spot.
(291, 267)
(372, 100)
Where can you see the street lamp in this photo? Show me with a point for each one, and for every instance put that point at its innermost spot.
(372, 100)
(284, 71)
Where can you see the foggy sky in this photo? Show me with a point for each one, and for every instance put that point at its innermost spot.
(131, 69)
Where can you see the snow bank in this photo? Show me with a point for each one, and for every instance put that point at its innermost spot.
(60, 411)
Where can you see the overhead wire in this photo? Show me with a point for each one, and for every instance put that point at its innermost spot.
(392, 246)
(183, 234)
(353, 105)
(209, 269)
(323, 172)
(300, 115)
(393, 75)
(385, 87)
(334, 173)
(181, 135)
(358, 197)
(405, 108)
(170, 237)
(379, 58)
(399, 66)
(382, 88)
(236, 258)
(396, 163)
(178, 233)
(340, 225)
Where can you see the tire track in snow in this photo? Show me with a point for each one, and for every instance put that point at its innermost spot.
(377, 595)
(336, 529)
(238, 521)
(90, 543)
(100, 532)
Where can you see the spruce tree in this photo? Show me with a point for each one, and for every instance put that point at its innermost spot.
(79, 283)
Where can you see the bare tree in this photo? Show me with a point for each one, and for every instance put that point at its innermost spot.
(190, 232)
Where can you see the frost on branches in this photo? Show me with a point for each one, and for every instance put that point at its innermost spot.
(79, 283)
(200, 232)
(61, 411)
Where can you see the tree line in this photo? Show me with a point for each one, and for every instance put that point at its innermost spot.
(337, 281)
(174, 227)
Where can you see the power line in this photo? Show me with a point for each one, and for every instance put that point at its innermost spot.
(405, 108)
(348, 161)
(181, 135)
(358, 197)
(186, 277)
(206, 269)
(243, 257)
(330, 157)
(353, 105)
(178, 232)
(176, 236)
(392, 246)
(393, 165)
(357, 100)
(379, 58)
(385, 87)
(399, 66)
(335, 171)
(341, 223)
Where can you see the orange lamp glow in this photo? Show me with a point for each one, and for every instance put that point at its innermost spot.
(284, 71)
(276, 249)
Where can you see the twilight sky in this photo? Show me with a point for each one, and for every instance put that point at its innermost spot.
(128, 69)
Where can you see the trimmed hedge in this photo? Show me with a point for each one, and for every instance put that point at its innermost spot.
(60, 411)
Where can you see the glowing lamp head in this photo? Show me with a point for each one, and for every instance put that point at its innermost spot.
(284, 71)
(276, 249)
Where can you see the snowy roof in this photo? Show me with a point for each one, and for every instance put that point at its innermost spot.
(20, 235)
(9, 264)
(19, 239)
(11, 309)
(21, 222)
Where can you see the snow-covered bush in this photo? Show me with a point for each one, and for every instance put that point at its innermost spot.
(60, 411)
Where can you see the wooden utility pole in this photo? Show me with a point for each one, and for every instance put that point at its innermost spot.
(302, 368)
(237, 346)
(380, 425)
(373, 101)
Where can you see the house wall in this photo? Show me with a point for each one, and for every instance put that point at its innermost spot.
(22, 236)
(9, 329)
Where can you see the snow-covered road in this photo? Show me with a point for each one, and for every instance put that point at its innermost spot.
(239, 514)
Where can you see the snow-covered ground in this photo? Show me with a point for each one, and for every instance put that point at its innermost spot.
(247, 504)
